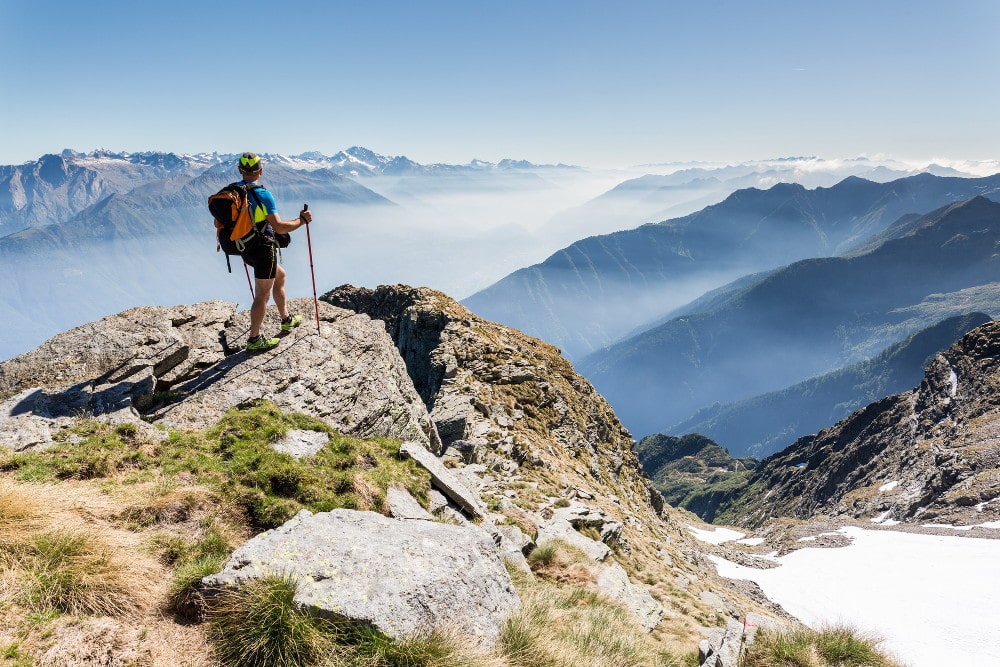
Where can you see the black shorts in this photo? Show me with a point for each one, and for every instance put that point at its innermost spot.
(263, 257)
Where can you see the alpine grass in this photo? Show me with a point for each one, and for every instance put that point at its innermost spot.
(260, 624)
(836, 646)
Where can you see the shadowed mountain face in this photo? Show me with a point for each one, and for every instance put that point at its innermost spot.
(762, 425)
(599, 289)
(926, 455)
(807, 319)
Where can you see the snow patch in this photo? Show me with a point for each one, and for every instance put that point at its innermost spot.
(889, 486)
(884, 520)
(751, 541)
(931, 596)
(953, 381)
(947, 525)
(716, 536)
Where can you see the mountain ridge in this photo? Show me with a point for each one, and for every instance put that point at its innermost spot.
(524, 439)
(594, 291)
(925, 455)
(808, 318)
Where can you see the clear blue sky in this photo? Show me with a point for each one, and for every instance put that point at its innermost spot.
(584, 82)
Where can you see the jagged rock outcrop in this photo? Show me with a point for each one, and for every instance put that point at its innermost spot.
(403, 577)
(184, 367)
(501, 398)
(929, 455)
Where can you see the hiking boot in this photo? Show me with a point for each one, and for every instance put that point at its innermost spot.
(260, 344)
(291, 322)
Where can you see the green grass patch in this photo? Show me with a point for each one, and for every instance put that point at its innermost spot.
(236, 459)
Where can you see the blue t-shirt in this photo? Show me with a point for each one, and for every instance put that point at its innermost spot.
(267, 204)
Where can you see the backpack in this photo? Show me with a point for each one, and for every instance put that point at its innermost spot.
(233, 212)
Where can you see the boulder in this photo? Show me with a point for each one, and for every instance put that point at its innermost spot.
(562, 530)
(403, 577)
(404, 506)
(613, 581)
(300, 444)
(351, 376)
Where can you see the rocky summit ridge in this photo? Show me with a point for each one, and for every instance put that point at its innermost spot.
(519, 448)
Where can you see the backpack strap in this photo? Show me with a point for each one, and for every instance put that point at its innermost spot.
(265, 230)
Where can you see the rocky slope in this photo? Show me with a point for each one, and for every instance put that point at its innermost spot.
(519, 449)
(925, 456)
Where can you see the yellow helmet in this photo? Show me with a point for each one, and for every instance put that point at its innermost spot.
(249, 162)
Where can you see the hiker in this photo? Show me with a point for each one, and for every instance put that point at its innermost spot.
(269, 276)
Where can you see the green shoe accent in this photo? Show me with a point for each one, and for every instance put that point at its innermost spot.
(291, 322)
(260, 344)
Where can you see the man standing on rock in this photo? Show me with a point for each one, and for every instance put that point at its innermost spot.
(269, 276)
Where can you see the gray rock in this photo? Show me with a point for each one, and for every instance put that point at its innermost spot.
(155, 340)
(29, 420)
(560, 529)
(403, 577)
(300, 444)
(351, 376)
(713, 600)
(515, 546)
(436, 501)
(580, 516)
(723, 646)
(614, 582)
(445, 480)
(404, 506)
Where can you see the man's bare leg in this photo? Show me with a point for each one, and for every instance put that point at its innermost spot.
(262, 292)
(278, 290)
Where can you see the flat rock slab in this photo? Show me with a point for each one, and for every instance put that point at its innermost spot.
(614, 582)
(402, 576)
(449, 483)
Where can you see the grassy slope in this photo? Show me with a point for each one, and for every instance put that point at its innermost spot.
(102, 537)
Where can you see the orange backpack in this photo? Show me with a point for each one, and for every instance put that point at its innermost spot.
(232, 208)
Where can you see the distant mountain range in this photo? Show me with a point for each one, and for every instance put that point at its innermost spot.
(806, 319)
(86, 234)
(83, 235)
(54, 188)
(599, 289)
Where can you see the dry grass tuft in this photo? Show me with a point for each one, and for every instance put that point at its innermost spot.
(558, 561)
(566, 626)
(52, 561)
(836, 646)
(369, 496)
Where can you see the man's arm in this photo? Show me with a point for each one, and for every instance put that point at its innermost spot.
(285, 226)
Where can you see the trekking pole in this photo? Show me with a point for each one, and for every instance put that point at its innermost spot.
(247, 269)
(305, 207)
